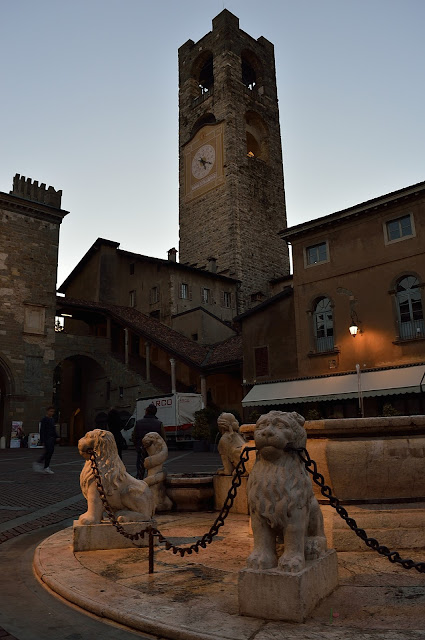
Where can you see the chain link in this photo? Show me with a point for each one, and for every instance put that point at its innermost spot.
(207, 538)
(372, 543)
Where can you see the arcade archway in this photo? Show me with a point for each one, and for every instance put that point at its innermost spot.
(80, 391)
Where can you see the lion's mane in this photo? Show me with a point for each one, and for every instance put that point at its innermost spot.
(110, 465)
(278, 481)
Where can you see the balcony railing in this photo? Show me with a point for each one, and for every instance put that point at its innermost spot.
(412, 329)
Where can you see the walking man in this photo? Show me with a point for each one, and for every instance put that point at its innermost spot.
(48, 437)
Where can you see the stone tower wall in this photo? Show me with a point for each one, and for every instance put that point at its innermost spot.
(237, 222)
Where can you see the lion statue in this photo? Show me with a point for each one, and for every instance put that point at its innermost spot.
(230, 444)
(130, 499)
(280, 497)
(157, 451)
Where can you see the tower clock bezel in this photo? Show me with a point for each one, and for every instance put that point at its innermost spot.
(203, 161)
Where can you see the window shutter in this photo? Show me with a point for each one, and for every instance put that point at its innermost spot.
(222, 298)
(190, 291)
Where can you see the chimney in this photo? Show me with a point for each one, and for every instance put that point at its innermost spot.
(172, 255)
(212, 265)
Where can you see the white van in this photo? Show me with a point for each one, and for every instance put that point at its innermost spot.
(176, 411)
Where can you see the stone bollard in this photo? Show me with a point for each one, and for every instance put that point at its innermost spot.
(282, 504)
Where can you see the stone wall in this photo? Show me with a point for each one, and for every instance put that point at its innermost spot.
(238, 221)
(29, 235)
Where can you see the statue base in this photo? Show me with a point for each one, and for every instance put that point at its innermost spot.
(95, 537)
(278, 595)
(222, 486)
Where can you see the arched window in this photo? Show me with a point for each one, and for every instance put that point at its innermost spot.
(256, 136)
(206, 76)
(323, 325)
(409, 308)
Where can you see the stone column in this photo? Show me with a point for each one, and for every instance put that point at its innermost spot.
(126, 346)
(148, 361)
(173, 375)
(204, 390)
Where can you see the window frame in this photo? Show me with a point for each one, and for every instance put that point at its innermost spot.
(184, 289)
(328, 341)
(387, 240)
(307, 264)
(414, 328)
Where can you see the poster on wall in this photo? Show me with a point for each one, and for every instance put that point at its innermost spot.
(16, 434)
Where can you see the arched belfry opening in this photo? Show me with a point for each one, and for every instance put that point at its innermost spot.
(203, 72)
(251, 70)
(256, 136)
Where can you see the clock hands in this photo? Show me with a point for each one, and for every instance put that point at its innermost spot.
(204, 162)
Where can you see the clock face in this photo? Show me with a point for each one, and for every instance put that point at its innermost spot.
(203, 161)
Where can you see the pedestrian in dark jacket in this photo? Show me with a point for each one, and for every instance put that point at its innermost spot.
(114, 426)
(48, 437)
(147, 424)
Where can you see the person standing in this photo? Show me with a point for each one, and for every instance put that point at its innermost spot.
(143, 426)
(114, 426)
(48, 437)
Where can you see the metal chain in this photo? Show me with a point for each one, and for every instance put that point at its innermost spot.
(207, 538)
(393, 556)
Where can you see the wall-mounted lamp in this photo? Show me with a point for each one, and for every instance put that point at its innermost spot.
(354, 328)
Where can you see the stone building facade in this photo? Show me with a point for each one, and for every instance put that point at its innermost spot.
(232, 199)
(362, 267)
(198, 303)
(30, 218)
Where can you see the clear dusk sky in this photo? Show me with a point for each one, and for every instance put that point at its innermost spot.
(89, 105)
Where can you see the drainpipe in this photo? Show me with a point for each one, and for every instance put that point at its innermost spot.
(359, 390)
(173, 375)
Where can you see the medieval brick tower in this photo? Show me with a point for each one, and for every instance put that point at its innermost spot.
(232, 198)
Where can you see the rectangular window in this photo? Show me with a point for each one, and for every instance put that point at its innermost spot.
(227, 299)
(154, 295)
(184, 291)
(317, 253)
(205, 295)
(399, 228)
(132, 298)
(261, 355)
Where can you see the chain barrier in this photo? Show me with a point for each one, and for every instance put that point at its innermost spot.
(207, 538)
(372, 543)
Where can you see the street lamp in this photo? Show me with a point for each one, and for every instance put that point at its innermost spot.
(354, 328)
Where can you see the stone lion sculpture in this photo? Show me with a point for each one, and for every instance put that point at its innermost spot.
(231, 443)
(130, 499)
(158, 453)
(280, 497)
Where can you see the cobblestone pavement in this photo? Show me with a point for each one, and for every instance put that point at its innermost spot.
(31, 501)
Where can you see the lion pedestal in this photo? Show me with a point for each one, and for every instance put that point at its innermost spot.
(104, 536)
(278, 595)
(222, 486)
(288, 585)
(130, 500)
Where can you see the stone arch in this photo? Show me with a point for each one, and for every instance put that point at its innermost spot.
(203, 72)
(80, 392)
(252, 70)
(206, 118)
(256, 136)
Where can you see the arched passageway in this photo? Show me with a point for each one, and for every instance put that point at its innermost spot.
(80, 392)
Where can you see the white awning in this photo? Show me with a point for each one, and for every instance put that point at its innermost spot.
(373, 383)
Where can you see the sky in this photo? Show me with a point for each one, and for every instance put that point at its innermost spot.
(89, 105)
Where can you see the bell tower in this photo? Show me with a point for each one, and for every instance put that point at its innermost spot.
(232, 198)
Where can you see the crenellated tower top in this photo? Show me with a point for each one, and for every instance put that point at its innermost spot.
(31, 190)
